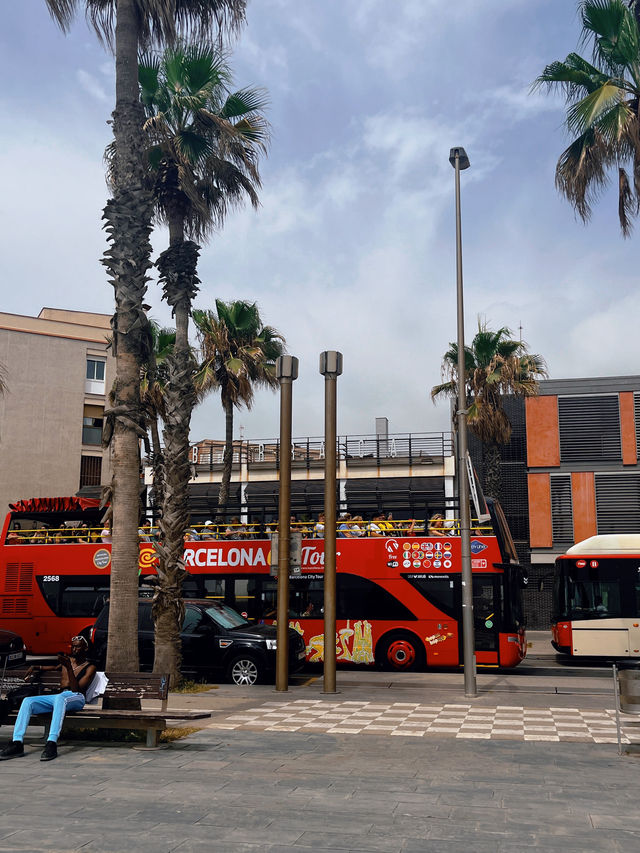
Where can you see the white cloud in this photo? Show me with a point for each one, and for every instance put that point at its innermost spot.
(93, 87)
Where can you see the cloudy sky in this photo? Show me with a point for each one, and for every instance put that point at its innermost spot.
(353, 246)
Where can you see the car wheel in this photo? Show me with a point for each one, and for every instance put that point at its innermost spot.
(244, 670)
(400, 651)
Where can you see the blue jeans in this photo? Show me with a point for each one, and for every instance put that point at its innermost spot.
(58, 705)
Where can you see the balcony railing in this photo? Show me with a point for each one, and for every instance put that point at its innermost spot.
(397, 448)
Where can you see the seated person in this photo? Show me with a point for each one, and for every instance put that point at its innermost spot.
(76, 674)
(235, 529)
(344, 527)
(145, 532)
(208, 530)
(357, 527)
(437, 526)
(318, 530)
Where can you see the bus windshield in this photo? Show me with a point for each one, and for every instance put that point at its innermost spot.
(589, 593)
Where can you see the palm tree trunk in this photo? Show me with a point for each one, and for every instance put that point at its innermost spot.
(492, 471)
(227, 459)
(128, 224)
(177, 266)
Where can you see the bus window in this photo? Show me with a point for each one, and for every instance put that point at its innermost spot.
(594, 599)
(74, 596)
(361, 598)
(191, 587)
(82, 599)
(441, 591)
(50, 588)
(306, 599)
(269, 599)
(214, 587)
(245, 599)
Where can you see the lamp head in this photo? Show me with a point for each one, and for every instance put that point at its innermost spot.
(330, 363)
(286, 368)
(460, 155)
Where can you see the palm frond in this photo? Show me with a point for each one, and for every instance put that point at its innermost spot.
(581, 172)
(586, 112)
(612, 27)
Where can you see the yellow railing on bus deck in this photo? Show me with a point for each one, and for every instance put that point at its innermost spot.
(346, 529)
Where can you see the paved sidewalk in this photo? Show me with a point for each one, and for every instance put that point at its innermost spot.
(239, 791)
(399, 763)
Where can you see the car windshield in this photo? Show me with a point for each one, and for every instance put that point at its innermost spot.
(225, 616)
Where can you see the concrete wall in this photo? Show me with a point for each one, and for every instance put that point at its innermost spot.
(41, 414)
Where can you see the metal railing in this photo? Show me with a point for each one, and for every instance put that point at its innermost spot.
(309, 452)
(350, 528)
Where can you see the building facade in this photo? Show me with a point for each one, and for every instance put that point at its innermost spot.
(58, 369)
(582, 462)
(570, 471)
(408, 474)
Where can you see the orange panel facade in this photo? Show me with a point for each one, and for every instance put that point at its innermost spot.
(583, 496)
(543, 437)
(540, 529)
(628, 429)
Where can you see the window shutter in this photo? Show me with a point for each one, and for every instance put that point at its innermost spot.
(589, 428)
(618, 503)
(561, 510)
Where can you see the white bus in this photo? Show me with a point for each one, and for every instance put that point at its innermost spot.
(596, 598)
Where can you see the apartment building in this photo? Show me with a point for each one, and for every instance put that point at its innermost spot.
(58, 371)
(583, 476)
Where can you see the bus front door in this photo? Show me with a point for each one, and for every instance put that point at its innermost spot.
(486, 617)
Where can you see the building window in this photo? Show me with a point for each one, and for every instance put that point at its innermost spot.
(91, 430)
(90, 470)
(561, 511)
(94, 380)
(92, 425)
(617, 502)
(590, 428)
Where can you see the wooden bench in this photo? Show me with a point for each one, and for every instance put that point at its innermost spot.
(122, 685)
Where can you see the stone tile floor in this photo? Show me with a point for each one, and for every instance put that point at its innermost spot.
(413, 719)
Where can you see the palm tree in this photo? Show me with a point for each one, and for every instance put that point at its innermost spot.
(152, 396)
(603, 109)
(495, 365)
(203, 150)
(125, 26)
(238, 355)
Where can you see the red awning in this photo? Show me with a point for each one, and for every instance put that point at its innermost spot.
(55, 505)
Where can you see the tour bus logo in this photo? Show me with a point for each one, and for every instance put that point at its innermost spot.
(101, 558)
(478, 547)
(580, 564)
(147, 558)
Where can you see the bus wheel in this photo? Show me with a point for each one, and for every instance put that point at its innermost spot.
(244, 671)
(399, 651)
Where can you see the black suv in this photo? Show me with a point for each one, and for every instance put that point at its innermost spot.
(215, 640)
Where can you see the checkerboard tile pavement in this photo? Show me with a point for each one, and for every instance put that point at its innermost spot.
(411, 719)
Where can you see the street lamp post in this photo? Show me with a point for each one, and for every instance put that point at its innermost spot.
(286, 373)
(330, 368)
(459, 160)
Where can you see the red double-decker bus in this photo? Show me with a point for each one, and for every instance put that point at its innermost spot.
(398, 598)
